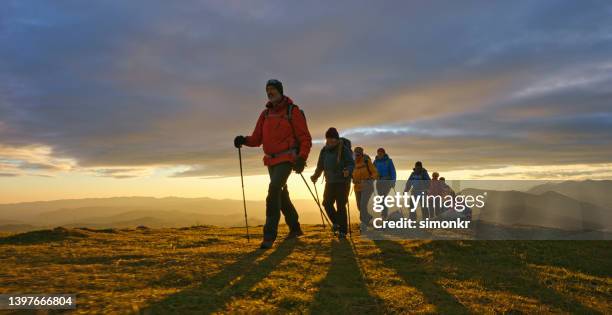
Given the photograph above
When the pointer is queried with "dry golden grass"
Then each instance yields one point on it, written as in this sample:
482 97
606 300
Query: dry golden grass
214 270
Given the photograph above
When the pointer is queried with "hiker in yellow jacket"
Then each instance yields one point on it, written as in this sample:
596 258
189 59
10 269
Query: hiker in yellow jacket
364 175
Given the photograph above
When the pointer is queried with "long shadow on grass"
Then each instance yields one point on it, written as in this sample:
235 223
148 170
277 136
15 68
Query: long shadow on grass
42 236
498 267
344 290
232 282
414 272
569 255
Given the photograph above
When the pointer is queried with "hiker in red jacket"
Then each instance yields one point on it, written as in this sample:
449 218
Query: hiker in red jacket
282 130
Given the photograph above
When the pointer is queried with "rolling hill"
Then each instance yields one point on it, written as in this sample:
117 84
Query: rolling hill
133 211
572 205
205 270
598 192
548 210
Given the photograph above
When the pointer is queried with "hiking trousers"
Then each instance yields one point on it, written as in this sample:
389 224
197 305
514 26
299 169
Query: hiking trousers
362 198
425 211
336 193
278 201
383 187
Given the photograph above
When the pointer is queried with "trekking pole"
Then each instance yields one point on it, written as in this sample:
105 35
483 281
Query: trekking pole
246 221
315 198
319 202
348 209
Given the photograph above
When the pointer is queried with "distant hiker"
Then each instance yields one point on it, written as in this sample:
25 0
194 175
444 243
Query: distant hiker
436 188
435 185
337 164
447 189
364 175
283 132
386 175
419 183
454 213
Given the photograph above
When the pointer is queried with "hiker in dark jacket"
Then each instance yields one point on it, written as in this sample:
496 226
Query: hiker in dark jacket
337 164
386 175
419 183
282 130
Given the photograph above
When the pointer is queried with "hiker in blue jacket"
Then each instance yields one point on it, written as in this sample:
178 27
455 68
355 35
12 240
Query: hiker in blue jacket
419 183
386 172
337 164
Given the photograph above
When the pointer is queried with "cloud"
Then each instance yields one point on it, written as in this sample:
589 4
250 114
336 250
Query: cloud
38 166
585 77
196 171
119 173
594 171
36 158
150 85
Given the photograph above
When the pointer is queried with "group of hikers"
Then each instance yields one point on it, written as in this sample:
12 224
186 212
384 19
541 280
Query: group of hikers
283 132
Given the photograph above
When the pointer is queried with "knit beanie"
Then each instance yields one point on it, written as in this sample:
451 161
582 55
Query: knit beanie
332 133
275 84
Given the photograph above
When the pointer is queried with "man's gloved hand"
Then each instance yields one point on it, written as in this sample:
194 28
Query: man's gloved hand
345 172
299 165
239 141
314 178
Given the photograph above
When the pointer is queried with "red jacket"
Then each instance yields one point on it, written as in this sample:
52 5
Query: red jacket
275 132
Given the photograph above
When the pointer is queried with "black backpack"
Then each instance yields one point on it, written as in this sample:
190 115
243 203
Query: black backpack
344 142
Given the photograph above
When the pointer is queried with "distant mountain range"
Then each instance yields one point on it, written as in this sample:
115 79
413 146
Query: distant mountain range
597 192
571 205
133 211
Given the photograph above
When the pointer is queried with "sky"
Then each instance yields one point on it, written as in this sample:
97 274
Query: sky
121 98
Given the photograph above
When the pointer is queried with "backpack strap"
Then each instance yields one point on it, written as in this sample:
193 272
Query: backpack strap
388 168
365 161
290 112
290 119
340 149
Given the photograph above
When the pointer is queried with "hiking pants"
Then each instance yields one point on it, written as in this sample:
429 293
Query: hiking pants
435 210
362 198
424 210
278 201
383 187
336 193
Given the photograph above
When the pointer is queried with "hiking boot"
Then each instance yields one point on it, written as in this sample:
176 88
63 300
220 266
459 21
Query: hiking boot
295 233
335 228
266 244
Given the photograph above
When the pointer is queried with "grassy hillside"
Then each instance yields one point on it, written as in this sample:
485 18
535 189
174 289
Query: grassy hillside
208 269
